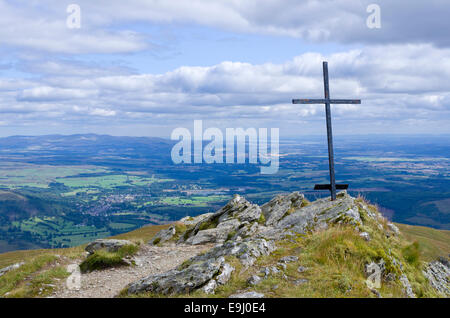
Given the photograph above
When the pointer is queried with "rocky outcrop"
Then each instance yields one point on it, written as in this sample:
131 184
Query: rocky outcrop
246 232
238 214
109 245
179 280
407 289
280 206
164 235
189 220
438 275
7 269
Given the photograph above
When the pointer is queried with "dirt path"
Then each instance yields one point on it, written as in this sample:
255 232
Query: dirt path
149 260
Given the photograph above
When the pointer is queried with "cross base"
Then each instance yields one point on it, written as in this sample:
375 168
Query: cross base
328 187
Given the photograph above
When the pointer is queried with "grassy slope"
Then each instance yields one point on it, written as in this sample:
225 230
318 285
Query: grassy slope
433 242
42 267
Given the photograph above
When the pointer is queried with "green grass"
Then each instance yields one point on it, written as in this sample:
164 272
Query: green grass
102 259
39 176
108 181
197 201
432 242
33 279
62 231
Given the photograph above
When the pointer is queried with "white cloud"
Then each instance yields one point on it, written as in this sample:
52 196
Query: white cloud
391 90
109 26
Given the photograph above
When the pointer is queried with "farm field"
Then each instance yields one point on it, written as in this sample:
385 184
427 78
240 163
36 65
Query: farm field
85 187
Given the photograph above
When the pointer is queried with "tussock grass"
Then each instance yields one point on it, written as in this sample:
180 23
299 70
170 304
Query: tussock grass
432 242
102 259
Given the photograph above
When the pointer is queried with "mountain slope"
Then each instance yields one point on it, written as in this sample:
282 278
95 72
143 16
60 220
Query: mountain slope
288 247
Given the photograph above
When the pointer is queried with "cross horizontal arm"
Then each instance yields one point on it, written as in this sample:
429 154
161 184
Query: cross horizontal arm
325 101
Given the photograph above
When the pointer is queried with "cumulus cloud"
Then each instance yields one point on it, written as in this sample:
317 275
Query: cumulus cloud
402 21
400 71
395 83
42 27
109 26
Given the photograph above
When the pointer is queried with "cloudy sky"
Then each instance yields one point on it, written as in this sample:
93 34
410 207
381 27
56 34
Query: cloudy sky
145 67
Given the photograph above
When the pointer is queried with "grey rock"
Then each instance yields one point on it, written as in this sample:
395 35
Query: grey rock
393 228
282 266
225 274
217 226
265 271
275 209
109 245
163 235
189 220
322 213
210 287
247 230
365 236
5 270
209 236
274 270
438 275
179 281
288 259
254 280
247 251
372 214
247 295
407 286
300 281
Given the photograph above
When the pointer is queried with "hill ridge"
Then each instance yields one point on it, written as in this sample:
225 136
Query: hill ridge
287 247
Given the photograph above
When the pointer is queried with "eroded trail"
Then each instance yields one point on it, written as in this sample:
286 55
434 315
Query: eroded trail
149 260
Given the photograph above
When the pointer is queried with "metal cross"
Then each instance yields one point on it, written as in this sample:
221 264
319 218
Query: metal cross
327 101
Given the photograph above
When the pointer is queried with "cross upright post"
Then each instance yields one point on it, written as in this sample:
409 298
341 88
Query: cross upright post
327 101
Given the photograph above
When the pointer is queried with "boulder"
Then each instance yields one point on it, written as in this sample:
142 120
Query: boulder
280 206
288 259
179 281
109 245
210 287
225 274
189 220
254 280
163 235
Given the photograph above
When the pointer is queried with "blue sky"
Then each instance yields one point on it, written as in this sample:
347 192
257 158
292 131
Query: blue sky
146 67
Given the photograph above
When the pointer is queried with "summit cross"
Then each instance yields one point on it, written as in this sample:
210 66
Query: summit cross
327 101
